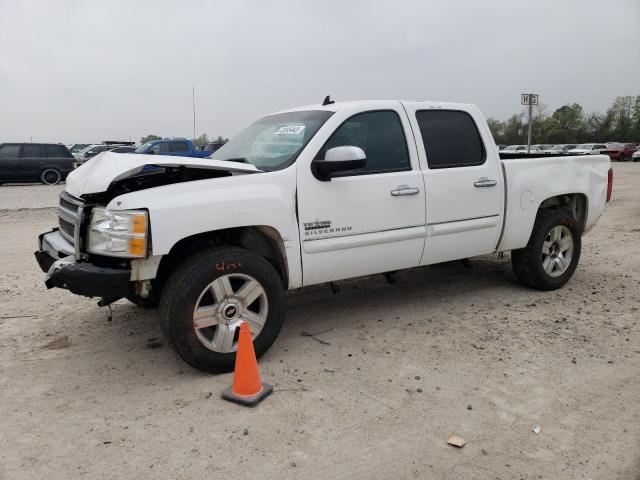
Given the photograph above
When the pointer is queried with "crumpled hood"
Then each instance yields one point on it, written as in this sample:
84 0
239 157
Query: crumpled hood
95 175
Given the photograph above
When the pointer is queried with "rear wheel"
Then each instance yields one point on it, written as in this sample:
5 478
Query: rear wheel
207 298
552 254
50 176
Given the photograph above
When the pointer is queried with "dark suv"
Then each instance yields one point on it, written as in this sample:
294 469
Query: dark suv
28 162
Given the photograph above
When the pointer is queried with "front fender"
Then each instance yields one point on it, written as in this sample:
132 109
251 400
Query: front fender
182 210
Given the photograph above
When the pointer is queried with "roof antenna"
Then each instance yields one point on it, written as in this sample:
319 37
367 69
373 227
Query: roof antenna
327 100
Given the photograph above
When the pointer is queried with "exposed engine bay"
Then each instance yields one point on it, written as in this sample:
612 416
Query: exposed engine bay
154 176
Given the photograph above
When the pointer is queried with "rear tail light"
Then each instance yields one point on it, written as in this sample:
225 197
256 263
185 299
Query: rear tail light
609 184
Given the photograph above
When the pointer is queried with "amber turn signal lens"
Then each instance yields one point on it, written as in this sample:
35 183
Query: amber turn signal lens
137 246
140 224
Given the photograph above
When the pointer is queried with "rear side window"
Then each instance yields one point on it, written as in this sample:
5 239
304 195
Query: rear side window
380 135
451 139
179 147
55 151
29 150
9 151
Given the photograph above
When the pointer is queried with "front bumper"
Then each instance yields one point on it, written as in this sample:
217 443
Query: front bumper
55 257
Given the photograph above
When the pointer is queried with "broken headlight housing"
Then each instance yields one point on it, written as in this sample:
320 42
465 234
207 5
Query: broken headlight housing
118 233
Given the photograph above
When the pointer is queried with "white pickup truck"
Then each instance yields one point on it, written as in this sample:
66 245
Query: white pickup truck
310 195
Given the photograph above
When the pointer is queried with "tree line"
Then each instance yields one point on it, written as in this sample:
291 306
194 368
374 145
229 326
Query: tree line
571 124
201 141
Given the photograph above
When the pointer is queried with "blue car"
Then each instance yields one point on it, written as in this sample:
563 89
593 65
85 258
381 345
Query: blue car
178 148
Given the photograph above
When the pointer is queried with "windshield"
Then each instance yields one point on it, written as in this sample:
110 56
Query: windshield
275 141
143 148
585 146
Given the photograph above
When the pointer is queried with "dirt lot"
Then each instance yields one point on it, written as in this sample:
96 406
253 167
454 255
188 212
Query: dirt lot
446 349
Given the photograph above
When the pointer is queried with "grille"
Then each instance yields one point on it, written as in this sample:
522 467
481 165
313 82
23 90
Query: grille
70 218
66 228
66 204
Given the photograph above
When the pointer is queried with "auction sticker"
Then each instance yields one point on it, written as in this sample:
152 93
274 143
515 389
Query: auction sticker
290 130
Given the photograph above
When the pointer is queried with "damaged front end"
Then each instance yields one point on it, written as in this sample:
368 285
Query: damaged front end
96 252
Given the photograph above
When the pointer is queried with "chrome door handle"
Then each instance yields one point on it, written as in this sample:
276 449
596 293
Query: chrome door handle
403 190
485 182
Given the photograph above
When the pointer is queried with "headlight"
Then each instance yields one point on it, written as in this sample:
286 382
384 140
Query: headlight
118 233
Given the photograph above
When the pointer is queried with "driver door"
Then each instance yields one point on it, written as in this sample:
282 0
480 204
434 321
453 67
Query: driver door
370 220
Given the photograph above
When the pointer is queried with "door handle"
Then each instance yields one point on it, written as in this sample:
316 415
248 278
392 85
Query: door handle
403 190
485 182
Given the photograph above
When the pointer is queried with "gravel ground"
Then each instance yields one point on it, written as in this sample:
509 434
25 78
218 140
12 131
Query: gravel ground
445 350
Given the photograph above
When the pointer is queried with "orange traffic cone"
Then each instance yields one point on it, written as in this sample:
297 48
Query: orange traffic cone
246 388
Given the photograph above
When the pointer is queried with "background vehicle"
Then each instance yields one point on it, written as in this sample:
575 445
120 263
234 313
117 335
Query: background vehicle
515 149
211 146
560 148
76 147
636 156
588 149
311 195
538 148
620 151
124 149
180 148
93 150
32 162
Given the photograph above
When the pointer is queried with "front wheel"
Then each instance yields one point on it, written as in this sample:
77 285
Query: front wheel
207 298
552 254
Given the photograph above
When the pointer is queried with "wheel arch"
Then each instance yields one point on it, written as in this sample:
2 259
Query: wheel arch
262 240
575 203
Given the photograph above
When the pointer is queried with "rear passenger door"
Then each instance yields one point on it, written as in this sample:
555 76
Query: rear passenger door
9 161
463 182
31 161
58 157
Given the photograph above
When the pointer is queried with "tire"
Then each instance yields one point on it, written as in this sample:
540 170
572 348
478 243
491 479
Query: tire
50 176
197 282
529 262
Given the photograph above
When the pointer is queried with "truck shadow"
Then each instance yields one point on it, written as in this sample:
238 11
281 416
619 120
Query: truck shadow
317 307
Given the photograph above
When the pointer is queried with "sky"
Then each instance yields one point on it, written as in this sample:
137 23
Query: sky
87 71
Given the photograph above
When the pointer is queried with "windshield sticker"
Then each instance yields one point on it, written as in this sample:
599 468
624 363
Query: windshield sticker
290 130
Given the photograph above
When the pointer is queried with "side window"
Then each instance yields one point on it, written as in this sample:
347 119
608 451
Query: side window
9 151
450 139
29 150
380 135
54 151
179 147
160 148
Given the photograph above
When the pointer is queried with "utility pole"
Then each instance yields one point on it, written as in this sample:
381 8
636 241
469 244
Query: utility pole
193 99
529 99
530 125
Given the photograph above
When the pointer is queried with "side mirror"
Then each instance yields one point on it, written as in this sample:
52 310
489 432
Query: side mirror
338 159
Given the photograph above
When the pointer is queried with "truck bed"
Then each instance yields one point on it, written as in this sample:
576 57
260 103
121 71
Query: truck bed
532 178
